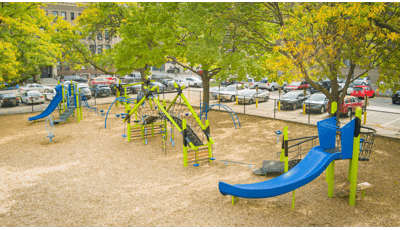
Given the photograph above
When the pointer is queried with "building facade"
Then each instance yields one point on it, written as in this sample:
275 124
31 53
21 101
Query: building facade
98 43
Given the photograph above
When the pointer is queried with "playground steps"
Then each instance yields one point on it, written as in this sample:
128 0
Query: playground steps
67 113
189 133
201 154
360 187
274 167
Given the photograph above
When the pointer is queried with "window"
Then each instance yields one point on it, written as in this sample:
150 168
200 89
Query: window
47 13
100 49
58 65
99 35
346 62
108 47
106 35
91 48
72 16
64 15
66 67
55 13
79 14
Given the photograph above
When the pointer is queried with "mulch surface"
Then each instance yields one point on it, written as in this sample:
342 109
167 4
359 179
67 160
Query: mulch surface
91 176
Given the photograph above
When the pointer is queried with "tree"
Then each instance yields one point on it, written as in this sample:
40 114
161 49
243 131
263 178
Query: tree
310 40
207 40
26 40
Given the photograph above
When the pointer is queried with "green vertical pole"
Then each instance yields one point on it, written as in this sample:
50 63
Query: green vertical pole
126 104
208 143
152 129
77 102
330 170
294 191
185 163
354 163
63 97
285 137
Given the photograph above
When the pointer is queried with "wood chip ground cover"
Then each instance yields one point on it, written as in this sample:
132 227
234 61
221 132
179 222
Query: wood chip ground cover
90 176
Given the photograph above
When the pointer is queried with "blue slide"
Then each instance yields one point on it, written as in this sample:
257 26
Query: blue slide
52 106
313 164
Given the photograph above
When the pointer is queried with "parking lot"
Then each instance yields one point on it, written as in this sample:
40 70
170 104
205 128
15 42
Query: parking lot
381 113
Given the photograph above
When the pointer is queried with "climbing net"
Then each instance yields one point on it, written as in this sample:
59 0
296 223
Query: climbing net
179 111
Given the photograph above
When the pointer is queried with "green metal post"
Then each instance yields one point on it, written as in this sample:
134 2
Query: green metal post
286 153
77 101
285 137
208 143
294 191
354 165
166 123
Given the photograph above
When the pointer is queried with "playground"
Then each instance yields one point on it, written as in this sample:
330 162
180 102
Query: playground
91 176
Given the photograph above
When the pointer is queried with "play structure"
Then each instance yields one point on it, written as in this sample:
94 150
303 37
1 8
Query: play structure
87 106
318 159
204 109
302 147
67 100
151 116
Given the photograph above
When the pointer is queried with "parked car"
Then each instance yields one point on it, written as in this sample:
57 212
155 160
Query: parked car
161 87
293 99
362 90
193 81
324 83
160 76
250 83
135 88
74 78
130 80
181 82
99 90
316 102
250 96
104 80
85 90
362 81
230 81
349 88
114 87
396 97
32 87
229 93
32 97
49 94
173 70
169 84
265 84
348 105
8 99
297 85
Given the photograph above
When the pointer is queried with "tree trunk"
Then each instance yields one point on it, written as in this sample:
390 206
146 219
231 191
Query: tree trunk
142 76
206 90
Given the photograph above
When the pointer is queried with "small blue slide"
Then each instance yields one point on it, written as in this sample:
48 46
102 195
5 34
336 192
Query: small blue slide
313 164
52 106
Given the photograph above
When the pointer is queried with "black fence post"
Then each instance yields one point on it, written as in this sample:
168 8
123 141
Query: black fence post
244 105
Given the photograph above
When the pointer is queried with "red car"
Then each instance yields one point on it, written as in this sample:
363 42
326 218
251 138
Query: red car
362 90
296 86
348 105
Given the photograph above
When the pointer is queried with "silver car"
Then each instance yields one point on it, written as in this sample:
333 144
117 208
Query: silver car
32 87
228 93
85 90
316 102
250 96
265 84
49 94
362 81
32 97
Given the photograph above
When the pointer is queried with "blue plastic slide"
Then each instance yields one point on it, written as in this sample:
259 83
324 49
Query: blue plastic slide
313 164
52 106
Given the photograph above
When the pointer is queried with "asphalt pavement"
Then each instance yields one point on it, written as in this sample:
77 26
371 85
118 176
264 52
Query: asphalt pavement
382 115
